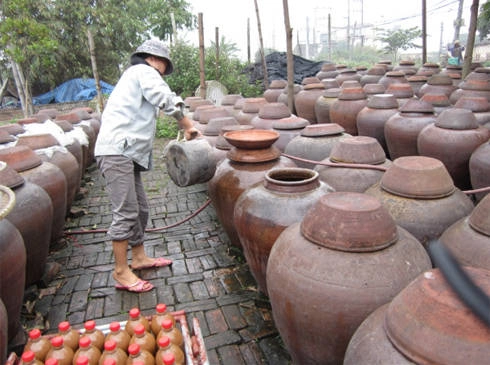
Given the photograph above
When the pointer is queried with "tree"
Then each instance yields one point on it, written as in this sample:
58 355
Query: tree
399 39
483 25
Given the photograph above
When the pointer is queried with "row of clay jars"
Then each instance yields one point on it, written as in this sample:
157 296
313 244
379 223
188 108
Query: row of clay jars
340 263
422 325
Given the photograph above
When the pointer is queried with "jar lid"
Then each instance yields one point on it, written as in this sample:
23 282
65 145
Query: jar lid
383 101
358 149
429 324
9 177
38 141
230 99
20 158
333 92
374 89
377 71
221 142
6 137
64 125
457 119
313 86
419 177
7 201
436 99
13 128
479 218
349 221
476 104
278 84
250 139
292 122
417 106
253 155
322 129
214 125
274 110
352 93
253 105
400 90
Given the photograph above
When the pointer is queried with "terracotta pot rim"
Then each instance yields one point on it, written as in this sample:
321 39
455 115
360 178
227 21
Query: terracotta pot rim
253 156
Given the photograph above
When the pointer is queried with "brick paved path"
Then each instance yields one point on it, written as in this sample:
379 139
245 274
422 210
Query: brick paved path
208 279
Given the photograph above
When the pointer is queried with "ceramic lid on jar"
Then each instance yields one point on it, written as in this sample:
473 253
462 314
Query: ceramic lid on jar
400 90
9 177
436 99
251 138
274 110
221 142
215 125
417 106
253 155
456 118
322 129
278 84
383 101
358 149
348 221
292 122
6 137
476 104
374 89
38 141
20 158
333 92
418 177
479 218
352 93
13 128
429 324
253 105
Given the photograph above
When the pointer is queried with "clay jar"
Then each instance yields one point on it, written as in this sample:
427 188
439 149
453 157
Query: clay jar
421 196
438 84
361 150
45 174
314 143
373 75
478 85
392 77
372 118
305 101
213 128
12 277
468 239
422 325
347 74
407 67
479 166
401 91
340 267
263 211
416 82
229 100
403 128
288 128
479 106
324 103
452 139
345 109
250 109
247 162
275 89
3 332
283 97
32 215
268 114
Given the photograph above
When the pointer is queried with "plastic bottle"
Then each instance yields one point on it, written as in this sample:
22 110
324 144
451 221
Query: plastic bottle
168 359
168 329
121 337
70 335
29 358
59 351
136 354
160 315
135 317
95 335
37 344
86 348
81 360
51 361
144 339
111 351
165 346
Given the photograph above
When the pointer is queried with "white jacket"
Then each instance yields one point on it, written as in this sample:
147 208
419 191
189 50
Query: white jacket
128 121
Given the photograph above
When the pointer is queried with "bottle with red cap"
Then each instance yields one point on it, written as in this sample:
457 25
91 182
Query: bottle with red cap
109 361
175 335
51 361
29 358
59 351
96 336
165 346
38 344
135 317
169 359
160 315
145 339
136 354
81 360
111 351
70 335
121 337
86 348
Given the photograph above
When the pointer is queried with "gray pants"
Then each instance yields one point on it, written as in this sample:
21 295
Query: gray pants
124 187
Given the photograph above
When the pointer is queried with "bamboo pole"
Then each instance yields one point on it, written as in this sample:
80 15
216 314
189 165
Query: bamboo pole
262 54
91 47
202 88
471 39
290 59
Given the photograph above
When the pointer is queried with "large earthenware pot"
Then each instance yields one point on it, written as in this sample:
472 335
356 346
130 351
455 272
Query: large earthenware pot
283 97
32 216
452 139
472 86
247 162
403 128
270 113
3 332
213 128
345 109
315 143
228 102
439 102
401 91
327 71
288 128
326 274
360 150
468 239
250 109
347 74
393 77
373 75
324 103
46 175
416 82
12 269
438 84
428 69
421 196
423 325
275 89
264 210
480 169
407 67
72 144
305 100
372 118
479 106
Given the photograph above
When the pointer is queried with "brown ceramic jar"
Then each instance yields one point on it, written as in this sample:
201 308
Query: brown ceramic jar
305 100
250 109
268 114
337 269
324 103
344 110
275 89
480 169
288 128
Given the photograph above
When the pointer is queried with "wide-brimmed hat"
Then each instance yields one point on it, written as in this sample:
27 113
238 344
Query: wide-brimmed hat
156 48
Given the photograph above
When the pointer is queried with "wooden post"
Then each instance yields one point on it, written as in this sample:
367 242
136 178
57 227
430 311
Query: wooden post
91 47
216 35
424 31
290 59
248 41
174 28
471 39
262 54
202 88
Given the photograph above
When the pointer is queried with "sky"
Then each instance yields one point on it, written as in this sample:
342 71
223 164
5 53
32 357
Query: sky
309 19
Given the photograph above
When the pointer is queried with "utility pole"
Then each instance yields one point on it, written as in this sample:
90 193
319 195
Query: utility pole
348 27
329 38
458 22
441 44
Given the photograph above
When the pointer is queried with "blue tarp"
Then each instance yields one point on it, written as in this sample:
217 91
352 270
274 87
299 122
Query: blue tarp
73 90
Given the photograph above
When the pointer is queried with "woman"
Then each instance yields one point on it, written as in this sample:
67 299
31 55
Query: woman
123 149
